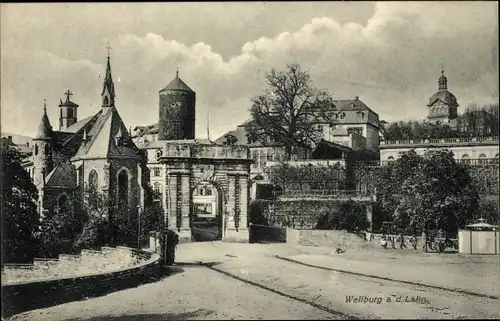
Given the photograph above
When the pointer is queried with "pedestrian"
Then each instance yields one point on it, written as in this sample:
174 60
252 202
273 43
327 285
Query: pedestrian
383 242
402 239
414 241
393 243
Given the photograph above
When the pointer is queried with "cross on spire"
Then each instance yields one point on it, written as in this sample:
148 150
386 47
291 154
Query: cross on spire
177 72
45 105
442 69
68 93
108 47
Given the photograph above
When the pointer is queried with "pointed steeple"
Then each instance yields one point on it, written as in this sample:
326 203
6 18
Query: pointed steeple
442 82
44 129
108 90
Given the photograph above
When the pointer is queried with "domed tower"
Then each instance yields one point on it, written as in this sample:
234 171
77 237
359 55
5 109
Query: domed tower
443 104
42 149
177 111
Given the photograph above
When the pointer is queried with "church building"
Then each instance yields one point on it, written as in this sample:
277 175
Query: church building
93 153
443 104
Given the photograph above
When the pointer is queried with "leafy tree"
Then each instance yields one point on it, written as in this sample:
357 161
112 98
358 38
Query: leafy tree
152 218
288 111
429 192
20 218
95 214
59 231
229 140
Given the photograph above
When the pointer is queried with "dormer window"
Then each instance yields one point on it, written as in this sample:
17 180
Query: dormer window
159 153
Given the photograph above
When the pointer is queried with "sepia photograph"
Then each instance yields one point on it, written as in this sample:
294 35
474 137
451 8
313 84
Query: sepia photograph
261 160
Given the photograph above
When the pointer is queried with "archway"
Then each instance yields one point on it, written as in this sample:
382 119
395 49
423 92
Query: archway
206 214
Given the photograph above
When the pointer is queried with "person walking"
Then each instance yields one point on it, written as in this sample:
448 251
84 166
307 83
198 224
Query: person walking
402 240
413 241
383 242
393 243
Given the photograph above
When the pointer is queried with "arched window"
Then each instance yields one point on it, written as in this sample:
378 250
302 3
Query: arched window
93 180
465 159
482 159
70 112
123 194
106 100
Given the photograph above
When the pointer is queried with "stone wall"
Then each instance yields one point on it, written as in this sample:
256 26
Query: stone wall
60 288
325 238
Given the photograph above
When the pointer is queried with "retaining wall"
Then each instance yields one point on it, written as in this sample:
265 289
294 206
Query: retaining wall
136 268
267 234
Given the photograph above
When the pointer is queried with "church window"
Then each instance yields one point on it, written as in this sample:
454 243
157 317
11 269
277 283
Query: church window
60 113
70 113
123 193
36 149
93 180
106 100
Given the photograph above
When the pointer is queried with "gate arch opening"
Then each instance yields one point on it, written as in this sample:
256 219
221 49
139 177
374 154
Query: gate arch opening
206 213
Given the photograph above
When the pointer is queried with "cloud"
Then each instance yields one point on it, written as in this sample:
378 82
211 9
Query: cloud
392 62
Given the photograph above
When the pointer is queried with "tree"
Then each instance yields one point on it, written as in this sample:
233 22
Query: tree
432 191
20 218
288 111
229 140
59 231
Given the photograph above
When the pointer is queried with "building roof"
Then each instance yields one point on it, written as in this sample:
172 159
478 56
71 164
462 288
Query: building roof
63 175
350 104
177 84
44 128
78 125
445 96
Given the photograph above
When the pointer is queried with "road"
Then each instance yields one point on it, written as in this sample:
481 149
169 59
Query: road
261 286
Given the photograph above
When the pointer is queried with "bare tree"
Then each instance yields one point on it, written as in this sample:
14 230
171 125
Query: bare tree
290 111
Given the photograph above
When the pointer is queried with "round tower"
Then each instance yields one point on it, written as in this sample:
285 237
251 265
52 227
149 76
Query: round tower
177 111
42 149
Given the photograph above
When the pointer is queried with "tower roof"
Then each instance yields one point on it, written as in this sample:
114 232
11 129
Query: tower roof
177 84
68 103
44 129
108 85
443 94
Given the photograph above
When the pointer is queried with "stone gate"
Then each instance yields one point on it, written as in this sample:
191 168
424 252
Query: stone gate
186 164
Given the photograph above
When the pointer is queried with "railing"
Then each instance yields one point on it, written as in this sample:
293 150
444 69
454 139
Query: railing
312 162
440 140
469 161
324 193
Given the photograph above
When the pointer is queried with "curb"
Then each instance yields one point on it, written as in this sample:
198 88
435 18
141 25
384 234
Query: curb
311 303
454 290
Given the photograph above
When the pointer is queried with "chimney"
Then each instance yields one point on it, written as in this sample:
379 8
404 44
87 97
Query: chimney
356 98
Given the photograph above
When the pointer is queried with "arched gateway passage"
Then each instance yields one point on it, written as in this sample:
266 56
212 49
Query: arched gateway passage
206 213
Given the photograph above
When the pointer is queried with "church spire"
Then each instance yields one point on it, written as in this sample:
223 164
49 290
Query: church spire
442 82
108 90
44 131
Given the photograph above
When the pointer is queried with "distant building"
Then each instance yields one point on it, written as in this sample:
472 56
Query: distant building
443 105
23 149
468 150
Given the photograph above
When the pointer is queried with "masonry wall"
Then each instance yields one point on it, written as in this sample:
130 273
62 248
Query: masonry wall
125 268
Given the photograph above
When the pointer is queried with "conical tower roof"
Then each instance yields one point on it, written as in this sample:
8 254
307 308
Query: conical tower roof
44 129
177 84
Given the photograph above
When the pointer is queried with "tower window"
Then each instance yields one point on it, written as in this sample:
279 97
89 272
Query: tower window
47 150
106 100
70 113
36 149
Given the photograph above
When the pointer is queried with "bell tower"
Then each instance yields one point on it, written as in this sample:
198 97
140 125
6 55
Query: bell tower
67 112
42 150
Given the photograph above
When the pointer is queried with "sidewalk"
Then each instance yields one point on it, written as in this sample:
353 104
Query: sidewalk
454 272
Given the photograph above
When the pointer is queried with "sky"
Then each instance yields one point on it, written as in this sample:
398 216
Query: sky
389 54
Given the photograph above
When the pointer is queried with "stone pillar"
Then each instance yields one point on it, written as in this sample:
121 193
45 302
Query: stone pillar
185 229
369 215
165 195
171 212
237 230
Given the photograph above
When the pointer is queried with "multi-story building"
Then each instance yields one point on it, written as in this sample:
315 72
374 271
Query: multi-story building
474 149
442 104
